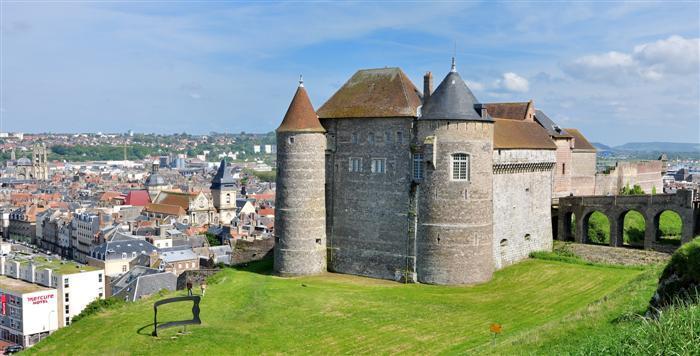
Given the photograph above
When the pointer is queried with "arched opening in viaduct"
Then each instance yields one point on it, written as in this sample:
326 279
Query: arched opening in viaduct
632 227
669 227
569 226
596 228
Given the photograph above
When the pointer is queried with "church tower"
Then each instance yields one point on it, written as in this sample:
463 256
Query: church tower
223 192
40 169
455 199
155 183
300 207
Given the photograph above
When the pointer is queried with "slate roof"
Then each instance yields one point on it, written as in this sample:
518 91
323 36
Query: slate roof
300 116
552 128
223 177
452 100
178 255
154 180
515 134
580 141
143 281
112 250
510 111
372 93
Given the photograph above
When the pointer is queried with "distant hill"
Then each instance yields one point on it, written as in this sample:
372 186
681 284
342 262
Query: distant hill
667 147
601 147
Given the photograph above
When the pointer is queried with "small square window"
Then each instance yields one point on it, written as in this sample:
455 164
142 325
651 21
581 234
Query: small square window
355 164
378 165
291 140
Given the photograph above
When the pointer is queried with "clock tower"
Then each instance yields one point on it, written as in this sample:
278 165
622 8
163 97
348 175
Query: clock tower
223 192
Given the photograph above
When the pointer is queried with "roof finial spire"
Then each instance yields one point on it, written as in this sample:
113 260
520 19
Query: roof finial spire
454 55
301 81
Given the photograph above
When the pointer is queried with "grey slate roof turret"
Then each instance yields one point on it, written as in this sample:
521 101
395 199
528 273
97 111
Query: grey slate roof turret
452 100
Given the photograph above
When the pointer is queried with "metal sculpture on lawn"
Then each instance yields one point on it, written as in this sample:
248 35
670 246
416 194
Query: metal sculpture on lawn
195 313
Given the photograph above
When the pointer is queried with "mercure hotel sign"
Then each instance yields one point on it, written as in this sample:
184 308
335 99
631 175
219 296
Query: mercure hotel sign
40 299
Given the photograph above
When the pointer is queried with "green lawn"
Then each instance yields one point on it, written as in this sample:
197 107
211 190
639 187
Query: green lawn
250 313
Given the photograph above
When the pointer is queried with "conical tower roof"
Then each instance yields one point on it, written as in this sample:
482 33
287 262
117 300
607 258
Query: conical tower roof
300 116
222 177
452 100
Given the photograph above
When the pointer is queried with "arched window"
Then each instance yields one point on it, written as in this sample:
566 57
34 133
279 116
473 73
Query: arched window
460 166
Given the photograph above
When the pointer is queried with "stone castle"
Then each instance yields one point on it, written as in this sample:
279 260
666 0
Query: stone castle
388 182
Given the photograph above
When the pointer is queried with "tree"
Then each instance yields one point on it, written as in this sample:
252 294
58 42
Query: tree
635 190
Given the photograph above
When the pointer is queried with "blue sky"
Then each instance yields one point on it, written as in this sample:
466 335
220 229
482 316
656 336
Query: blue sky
620 72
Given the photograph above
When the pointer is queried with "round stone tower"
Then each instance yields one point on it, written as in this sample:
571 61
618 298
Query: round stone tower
300 203
455 198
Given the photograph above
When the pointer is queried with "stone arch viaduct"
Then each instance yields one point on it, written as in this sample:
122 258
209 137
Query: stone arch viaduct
615 208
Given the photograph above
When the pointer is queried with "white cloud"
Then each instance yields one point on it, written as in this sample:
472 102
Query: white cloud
513 82
675 54
649 61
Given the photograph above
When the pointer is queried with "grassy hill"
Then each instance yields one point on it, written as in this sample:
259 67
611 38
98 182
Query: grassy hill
250 312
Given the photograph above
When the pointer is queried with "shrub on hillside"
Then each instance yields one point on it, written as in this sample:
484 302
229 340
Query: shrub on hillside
680 280
98 306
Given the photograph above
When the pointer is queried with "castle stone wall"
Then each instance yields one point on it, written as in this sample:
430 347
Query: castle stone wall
368 221
645 174
455 230
521 204
300 209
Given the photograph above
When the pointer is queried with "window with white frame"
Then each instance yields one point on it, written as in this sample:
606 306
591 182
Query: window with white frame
417 166
378 165
460 166
370 138
355 164
387 137
353 138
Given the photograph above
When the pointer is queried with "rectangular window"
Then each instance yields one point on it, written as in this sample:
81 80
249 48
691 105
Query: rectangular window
387 137
353 138
65 283
66 298
399 137
355 164
460 166
67 309
99 278
378 165
67 320
563 168
418 166
124 268
370 138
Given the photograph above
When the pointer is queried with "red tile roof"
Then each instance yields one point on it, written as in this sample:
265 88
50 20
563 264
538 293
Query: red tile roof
137 198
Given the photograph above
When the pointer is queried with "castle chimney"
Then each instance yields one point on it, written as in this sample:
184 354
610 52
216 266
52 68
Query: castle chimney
427 86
